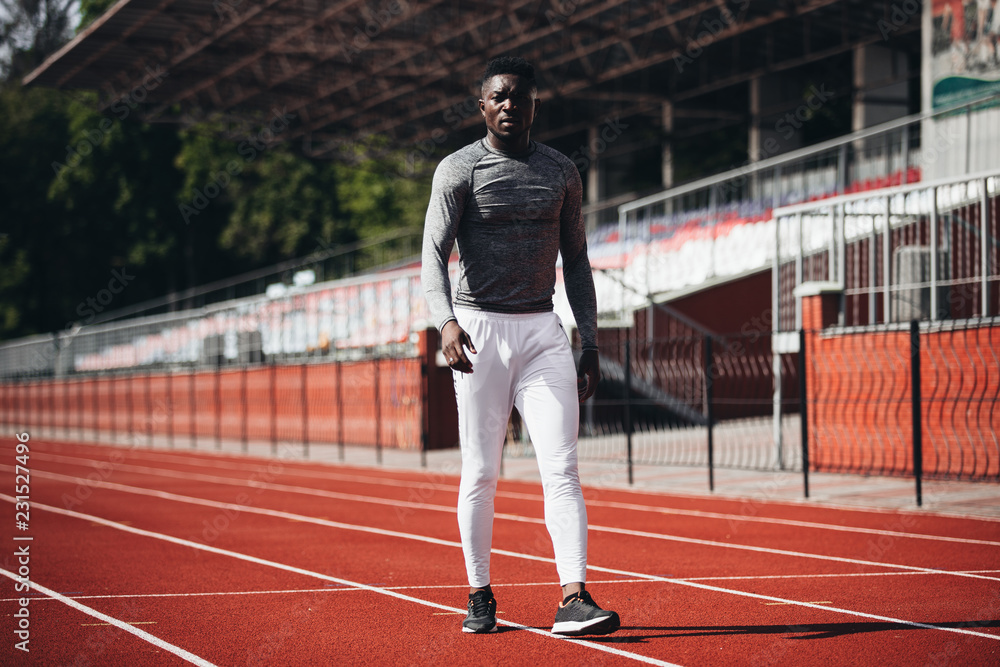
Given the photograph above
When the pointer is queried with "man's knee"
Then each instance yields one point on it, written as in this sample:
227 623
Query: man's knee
479 479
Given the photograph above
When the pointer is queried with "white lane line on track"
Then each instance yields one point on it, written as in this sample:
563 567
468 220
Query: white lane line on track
73 460
208 459
122 625
451 510
341 589
309 573
463 586
785 552
211 459
514 554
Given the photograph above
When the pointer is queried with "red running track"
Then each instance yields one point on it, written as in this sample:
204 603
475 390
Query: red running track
152 557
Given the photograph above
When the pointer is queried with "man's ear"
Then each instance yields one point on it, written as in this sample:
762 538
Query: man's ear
538 105
482 108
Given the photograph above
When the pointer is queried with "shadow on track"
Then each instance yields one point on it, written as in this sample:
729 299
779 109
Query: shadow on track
808 631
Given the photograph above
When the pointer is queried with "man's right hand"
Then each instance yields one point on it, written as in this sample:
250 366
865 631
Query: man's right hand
454 340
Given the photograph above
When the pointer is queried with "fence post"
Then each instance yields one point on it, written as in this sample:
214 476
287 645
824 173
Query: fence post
305 411
918 445
984 247
628 408
51 408
274 408
170 407
428 351
804 411
244 408
378 413
112 407
79 407
25 411
709 367
130 402
50 383
40 405
218 407
149 408
424 393
193 405
340 409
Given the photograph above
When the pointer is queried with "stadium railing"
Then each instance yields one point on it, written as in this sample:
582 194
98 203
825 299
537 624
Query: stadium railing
720 222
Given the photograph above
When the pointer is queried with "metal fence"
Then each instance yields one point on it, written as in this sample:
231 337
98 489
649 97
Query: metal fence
919 401
698 400
928 251
918 398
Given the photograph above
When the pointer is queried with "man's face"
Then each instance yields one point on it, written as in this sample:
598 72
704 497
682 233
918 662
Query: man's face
509 107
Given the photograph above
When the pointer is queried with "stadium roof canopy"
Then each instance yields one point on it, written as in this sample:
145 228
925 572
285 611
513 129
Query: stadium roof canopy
408 69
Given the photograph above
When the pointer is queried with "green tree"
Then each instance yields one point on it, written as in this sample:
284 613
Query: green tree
381 192
82 194
88 194
90 10
30 31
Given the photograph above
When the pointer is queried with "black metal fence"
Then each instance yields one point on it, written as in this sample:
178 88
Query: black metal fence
700 401
917 400
920 400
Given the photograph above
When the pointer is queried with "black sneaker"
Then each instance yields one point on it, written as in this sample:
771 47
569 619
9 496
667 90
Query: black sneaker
482 613
582 616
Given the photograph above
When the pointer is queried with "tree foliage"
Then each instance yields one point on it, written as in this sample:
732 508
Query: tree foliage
30 31
87 195
90 10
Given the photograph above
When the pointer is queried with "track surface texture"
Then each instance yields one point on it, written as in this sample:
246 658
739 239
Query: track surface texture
133 556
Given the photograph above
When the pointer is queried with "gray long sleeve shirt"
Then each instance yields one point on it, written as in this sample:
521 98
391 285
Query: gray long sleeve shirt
512 215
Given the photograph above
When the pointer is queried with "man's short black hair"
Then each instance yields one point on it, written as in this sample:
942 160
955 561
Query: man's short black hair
510 65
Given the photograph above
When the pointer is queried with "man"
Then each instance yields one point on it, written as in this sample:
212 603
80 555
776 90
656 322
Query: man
513 205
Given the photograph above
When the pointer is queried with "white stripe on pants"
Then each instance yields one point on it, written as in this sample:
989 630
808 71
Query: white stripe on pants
522 360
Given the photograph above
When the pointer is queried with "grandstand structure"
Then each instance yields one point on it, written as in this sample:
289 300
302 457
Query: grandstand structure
765 310
632 89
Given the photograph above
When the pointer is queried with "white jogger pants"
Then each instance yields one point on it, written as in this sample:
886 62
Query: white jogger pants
522 360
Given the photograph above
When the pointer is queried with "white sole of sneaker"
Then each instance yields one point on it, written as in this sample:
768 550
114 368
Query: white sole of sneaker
596 626
480 632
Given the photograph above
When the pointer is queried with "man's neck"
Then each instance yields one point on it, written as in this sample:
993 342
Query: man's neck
520 146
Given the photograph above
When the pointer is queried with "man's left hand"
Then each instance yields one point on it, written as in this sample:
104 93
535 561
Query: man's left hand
588 374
